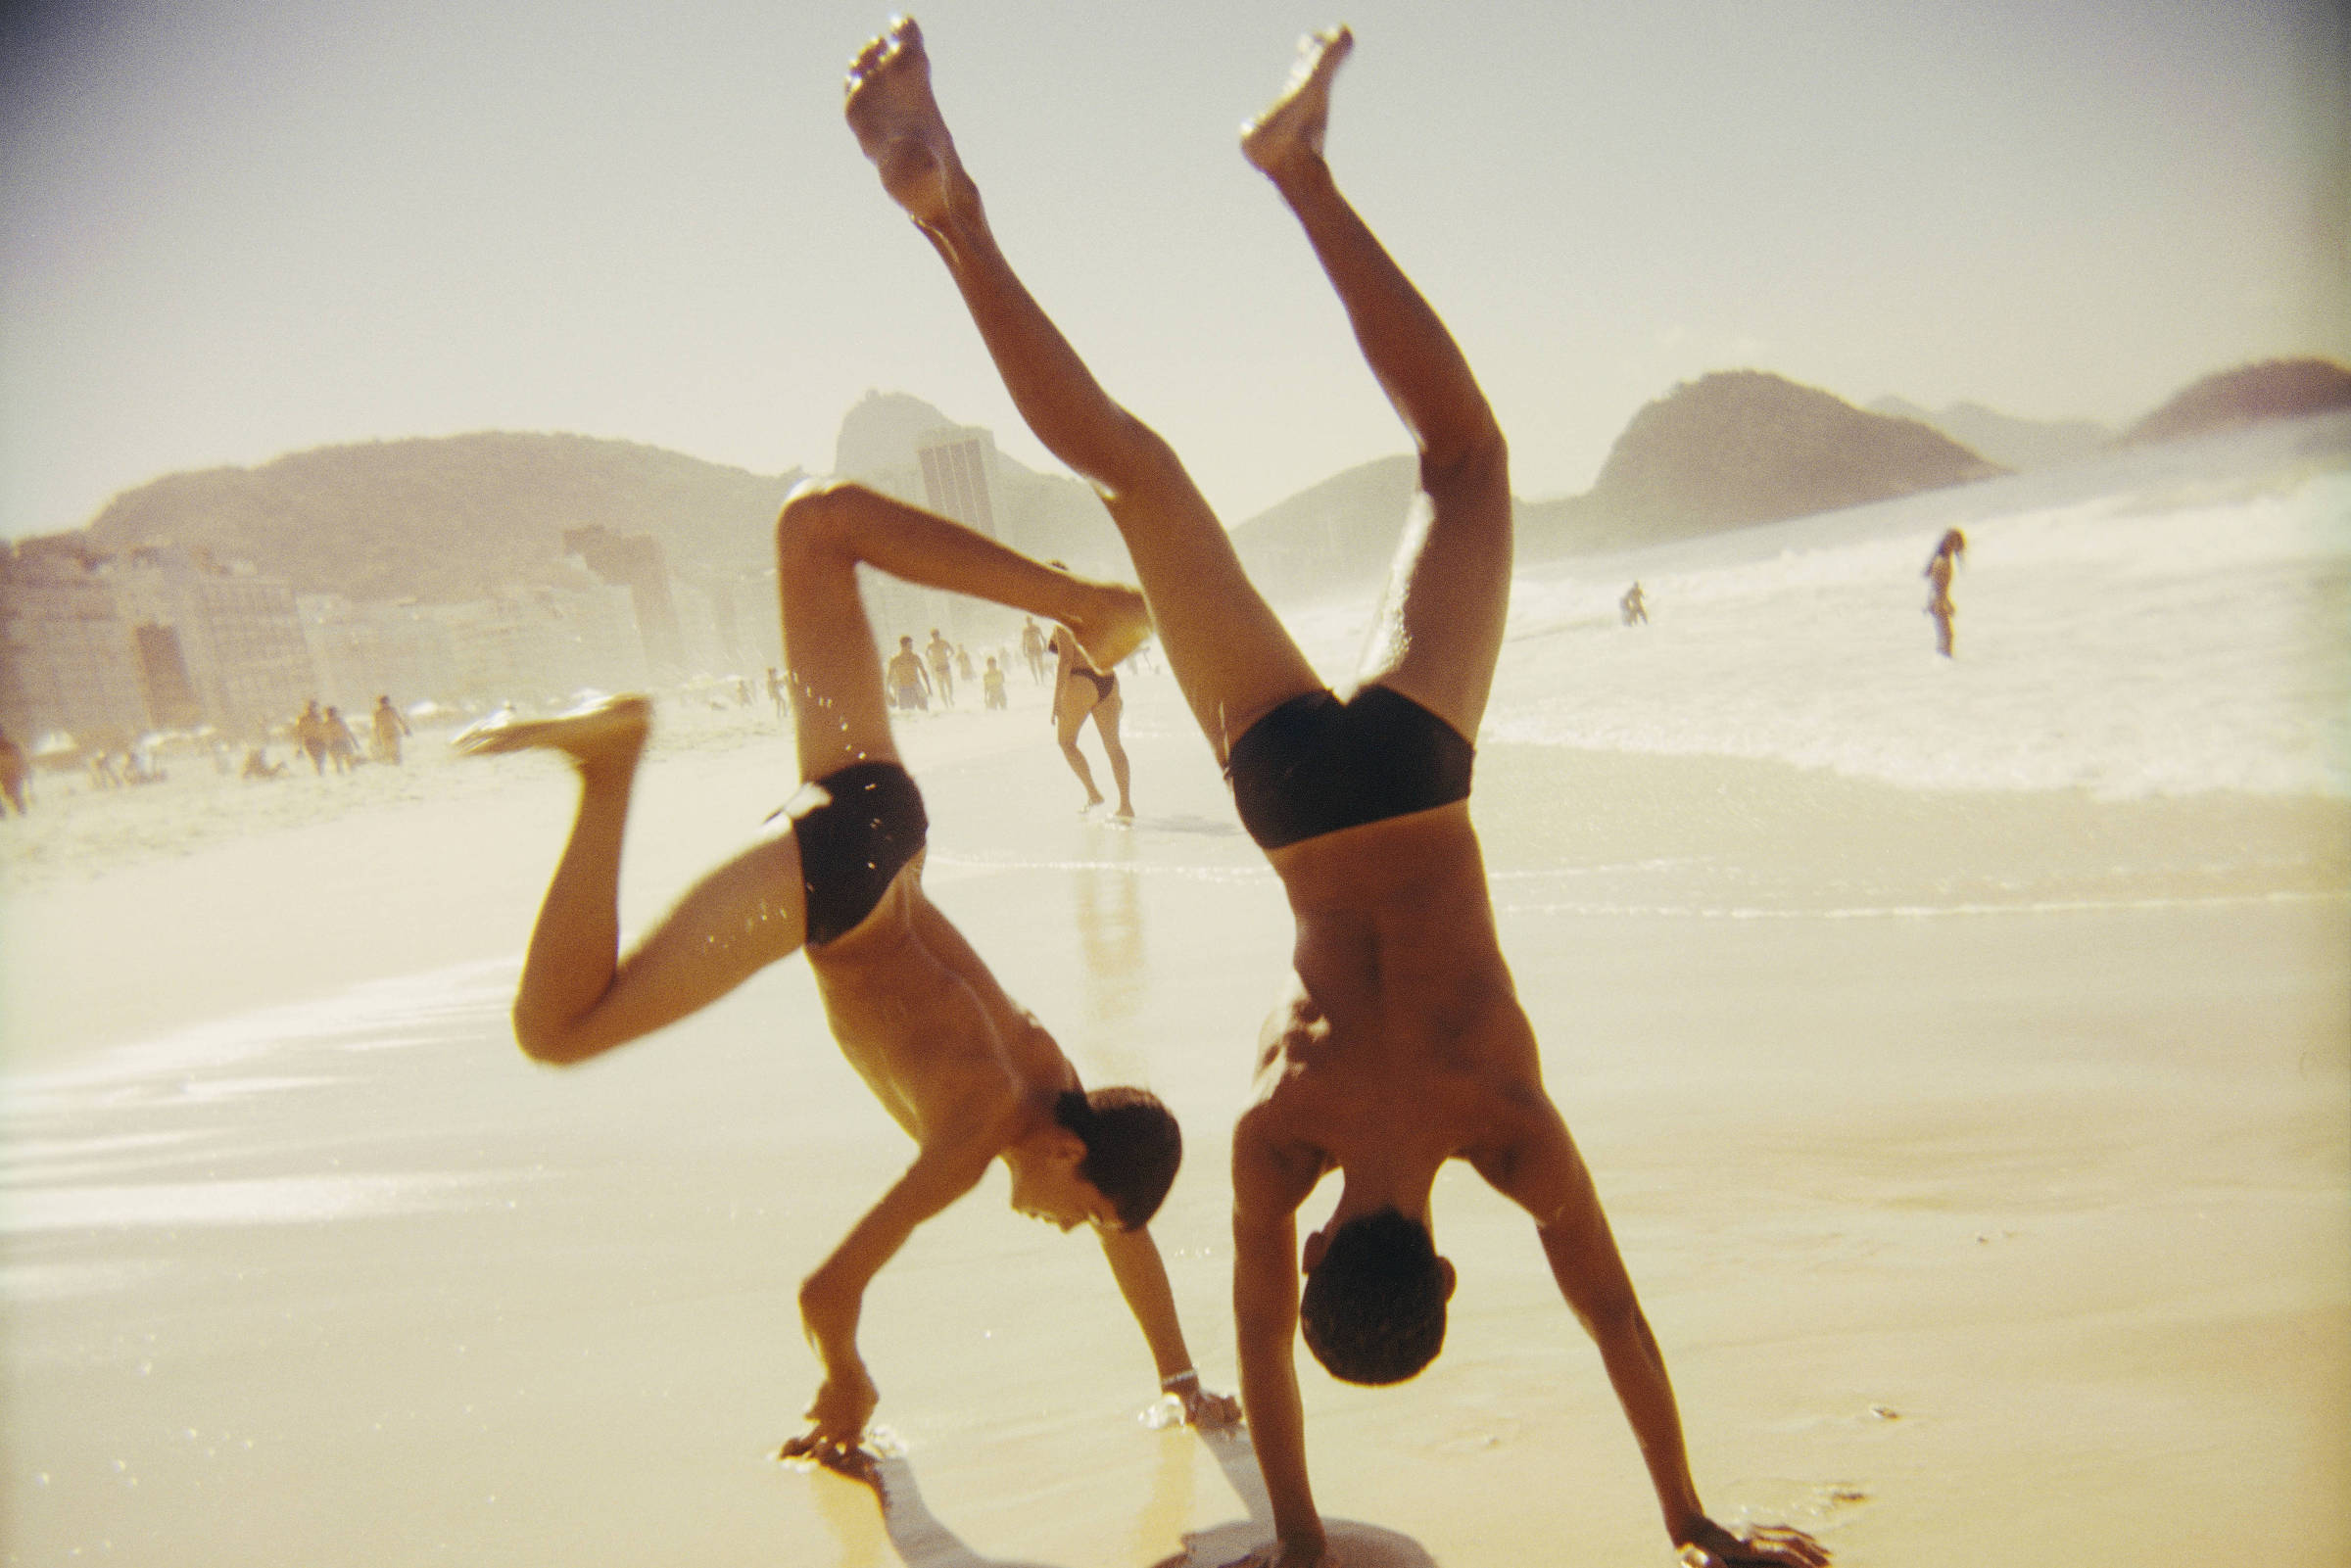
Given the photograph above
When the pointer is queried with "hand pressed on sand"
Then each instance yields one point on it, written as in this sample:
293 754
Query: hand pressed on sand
844 1401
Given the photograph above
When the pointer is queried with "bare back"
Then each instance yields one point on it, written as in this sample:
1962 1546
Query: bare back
1399 1024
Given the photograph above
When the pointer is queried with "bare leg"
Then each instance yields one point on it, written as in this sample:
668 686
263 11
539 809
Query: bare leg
577 998
1439 629
1122 773
837 678
1068 721
1229 652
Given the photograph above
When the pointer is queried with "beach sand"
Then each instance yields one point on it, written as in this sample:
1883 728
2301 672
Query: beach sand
1982 1160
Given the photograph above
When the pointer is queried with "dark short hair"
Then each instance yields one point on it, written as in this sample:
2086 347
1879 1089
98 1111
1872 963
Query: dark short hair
1133 1147
1373 1310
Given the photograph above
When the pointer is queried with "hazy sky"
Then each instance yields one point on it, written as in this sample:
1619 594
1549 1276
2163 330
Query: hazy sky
234 229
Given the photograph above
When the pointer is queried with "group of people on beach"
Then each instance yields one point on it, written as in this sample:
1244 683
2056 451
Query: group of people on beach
1397 1043
1080 691
916 678
325 736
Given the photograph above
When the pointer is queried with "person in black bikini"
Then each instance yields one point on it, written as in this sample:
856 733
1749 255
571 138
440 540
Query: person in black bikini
1082 692
970 1076
1399 1043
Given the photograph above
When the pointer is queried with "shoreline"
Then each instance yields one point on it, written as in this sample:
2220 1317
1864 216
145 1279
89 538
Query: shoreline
1982 1162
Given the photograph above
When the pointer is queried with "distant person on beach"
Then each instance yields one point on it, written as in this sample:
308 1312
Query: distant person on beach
390 724
1634 607
963 664
909 682
775 691
1398 1044
1032 649
1080 692
1950 551
342 747
259 766
991 685
15 769
970 1074
309 733
942 654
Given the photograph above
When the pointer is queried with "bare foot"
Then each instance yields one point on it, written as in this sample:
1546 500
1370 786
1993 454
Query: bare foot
611 730
899 126
1292 128
1115 628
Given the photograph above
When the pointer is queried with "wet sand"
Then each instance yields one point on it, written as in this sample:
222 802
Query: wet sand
1984 1162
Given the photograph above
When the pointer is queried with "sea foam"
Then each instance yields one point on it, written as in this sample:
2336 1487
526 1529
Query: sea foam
2158 623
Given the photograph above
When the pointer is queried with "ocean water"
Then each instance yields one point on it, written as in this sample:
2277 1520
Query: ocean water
349 1258
2161 623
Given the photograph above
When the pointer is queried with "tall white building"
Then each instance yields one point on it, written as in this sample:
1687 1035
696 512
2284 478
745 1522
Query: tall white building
959 477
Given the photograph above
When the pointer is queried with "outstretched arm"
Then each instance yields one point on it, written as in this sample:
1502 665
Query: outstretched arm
833 1298
1267 1186
1545 1174
1135 1263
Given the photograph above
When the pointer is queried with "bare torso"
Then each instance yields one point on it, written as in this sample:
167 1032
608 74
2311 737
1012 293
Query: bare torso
943 1048
1399 1033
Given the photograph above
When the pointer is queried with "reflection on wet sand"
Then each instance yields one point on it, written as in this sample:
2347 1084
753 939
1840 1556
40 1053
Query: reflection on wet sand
921 1541
1109 921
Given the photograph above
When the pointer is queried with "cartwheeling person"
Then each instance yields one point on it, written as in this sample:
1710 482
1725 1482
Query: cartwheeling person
1399 1043
970 1074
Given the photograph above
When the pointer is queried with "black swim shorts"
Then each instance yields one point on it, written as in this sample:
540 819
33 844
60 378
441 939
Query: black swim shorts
855 827
1314 765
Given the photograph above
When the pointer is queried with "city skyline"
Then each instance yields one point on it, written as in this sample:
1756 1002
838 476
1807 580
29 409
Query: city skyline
236 232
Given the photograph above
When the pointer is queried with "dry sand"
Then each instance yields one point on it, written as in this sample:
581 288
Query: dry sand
1984 1162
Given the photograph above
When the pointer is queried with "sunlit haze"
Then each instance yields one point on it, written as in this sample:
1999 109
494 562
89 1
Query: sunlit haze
236 230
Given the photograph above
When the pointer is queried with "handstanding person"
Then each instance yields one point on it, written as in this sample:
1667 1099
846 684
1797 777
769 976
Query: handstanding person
1081 693
1399 1043
970 1074
1950 551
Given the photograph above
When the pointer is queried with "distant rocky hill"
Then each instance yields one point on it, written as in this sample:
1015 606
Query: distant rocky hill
2005 439
458 517
2275 389
1731 448
1742 447
879 431
455 517
1336 535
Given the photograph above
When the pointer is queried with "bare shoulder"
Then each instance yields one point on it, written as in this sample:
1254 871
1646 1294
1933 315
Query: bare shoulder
1273 1166
1525 1152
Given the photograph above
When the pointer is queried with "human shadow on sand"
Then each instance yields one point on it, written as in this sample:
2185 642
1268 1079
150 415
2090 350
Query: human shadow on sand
922 1541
